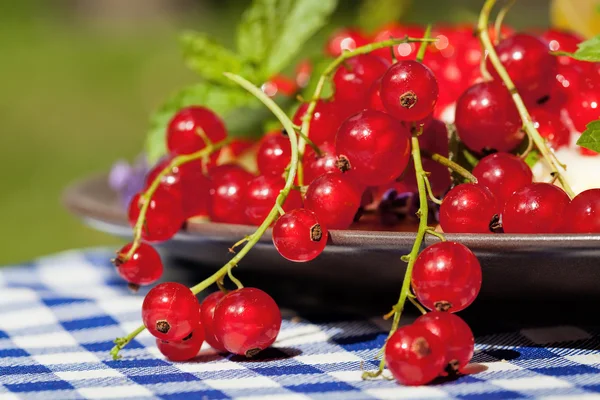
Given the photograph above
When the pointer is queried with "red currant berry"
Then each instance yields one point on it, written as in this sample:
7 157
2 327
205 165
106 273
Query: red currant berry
261 194
558 40
315 165
227 193
374 146
354 78
345 40
274 154
185 349
164 216
550 126
298 236
279 84
518 53
374 97
468 208
142 268
323 124
187 128
402 51
487 119
584 106
414 355
409 90
446 277
334 199
455 334
207 312
535 208
503 174
303 72
170 311
582 215
247 321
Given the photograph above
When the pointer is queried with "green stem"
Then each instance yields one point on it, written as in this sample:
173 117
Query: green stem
500 18
423 46
430 192
539 142
440 159
273 214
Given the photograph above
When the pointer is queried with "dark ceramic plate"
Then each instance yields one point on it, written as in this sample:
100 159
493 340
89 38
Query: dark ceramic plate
514 266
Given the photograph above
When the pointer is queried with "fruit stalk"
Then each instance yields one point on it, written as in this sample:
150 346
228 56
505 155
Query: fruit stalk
273 214
528 126
446 162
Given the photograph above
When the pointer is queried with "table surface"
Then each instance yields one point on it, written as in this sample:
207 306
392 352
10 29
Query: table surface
60 314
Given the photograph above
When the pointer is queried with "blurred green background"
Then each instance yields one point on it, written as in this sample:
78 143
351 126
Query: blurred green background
79 78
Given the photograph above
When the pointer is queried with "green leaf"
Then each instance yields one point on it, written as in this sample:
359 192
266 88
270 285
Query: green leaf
588 50
590 138
209 59
226 101
272 32
376 13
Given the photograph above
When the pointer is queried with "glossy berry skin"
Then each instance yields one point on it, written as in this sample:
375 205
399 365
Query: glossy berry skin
374 97
345 40
455 335
535 208
518 53
164 216
402 51
298 236
569 79
324 123
274 154
414 355
182 132
550 126
207 312
503 174
227 192
182 350
334 199
142 268
559 40
376 146
315 165
354 78
261 193
446 277
468 208
247 321
584 106
409 90
582 215
170 311
487 119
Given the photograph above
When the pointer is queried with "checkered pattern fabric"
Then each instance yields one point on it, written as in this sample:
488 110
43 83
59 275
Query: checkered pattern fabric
59 315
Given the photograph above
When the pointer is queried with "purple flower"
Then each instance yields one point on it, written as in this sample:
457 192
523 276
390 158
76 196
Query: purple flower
128 179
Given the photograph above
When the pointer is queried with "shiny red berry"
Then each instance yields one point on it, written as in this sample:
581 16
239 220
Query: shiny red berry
414 355
487 119
455 335
298 236
315 165
346 39
559 40
402 51
551 127
374 97
142 268
409 90
207 311
274 154
535 208
324 123
446 277
164 215
584 106
260 196
227 192
170 311
582 215
468 208
518 53
185 349
503 174
334 199
247 321
185 131
354 78
374 147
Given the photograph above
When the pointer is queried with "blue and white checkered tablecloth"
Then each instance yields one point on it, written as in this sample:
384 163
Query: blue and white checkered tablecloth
60 314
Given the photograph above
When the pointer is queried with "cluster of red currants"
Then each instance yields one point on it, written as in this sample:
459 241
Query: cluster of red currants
244 321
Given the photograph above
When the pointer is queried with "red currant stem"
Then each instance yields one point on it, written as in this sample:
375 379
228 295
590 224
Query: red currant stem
416 304
273 214
439 235
238 243
147 195
430 192
500 18
280 209
233 279
539 141
423 45
528 149
327 74
445 161
312 144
